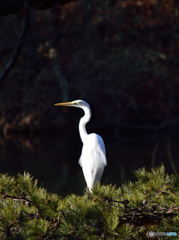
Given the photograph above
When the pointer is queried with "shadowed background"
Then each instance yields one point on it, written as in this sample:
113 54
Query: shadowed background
120 56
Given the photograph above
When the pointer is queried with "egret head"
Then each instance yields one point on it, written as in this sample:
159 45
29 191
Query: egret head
76 103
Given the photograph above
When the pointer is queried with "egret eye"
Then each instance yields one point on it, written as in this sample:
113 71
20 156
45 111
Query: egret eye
79 104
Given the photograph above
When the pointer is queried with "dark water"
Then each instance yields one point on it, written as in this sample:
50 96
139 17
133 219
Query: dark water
53 160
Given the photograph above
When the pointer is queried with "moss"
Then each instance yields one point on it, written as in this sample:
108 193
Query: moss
151 203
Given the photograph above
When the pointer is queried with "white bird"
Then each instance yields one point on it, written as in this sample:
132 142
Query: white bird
93 155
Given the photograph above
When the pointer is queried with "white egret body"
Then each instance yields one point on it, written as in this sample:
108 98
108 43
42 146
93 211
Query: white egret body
93 155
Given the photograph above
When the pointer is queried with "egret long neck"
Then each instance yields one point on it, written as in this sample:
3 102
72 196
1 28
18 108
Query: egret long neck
83 121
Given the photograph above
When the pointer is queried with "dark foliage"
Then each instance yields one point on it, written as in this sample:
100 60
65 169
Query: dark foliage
119 54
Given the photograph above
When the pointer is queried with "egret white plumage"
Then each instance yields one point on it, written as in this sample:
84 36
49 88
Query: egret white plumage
93 155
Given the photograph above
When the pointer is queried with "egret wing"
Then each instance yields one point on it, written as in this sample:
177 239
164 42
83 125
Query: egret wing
94 150
93 159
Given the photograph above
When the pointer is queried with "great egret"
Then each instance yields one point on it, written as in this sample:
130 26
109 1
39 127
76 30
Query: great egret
93 155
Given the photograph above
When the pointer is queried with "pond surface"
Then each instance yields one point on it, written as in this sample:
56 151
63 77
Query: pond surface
53 160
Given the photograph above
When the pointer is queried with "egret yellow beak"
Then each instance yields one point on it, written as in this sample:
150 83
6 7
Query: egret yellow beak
65 104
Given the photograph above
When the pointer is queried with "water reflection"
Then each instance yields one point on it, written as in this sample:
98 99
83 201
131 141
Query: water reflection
53 160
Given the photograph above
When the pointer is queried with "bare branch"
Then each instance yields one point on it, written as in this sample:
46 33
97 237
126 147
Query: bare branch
169 153
14 7
154 153
21 199
18 47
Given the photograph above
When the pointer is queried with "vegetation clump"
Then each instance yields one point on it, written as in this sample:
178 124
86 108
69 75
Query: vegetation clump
131 211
